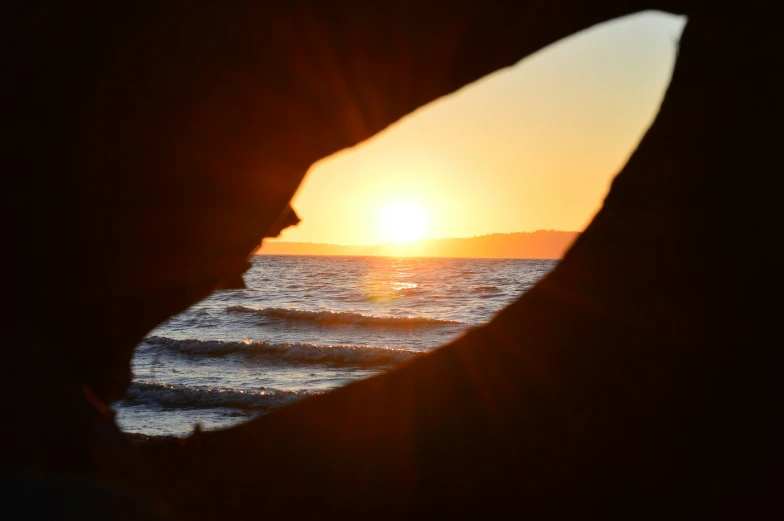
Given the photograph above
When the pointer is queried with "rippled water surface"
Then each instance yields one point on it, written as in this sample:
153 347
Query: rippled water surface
305 325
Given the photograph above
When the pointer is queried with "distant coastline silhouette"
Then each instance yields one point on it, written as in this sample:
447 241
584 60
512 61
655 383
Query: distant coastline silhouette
541 244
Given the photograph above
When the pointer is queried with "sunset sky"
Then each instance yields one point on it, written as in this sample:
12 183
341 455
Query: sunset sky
531 147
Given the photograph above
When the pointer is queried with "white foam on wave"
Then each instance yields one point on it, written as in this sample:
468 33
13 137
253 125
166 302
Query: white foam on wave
343 317
291 352
181 396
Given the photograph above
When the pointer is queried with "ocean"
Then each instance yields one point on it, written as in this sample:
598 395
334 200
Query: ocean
304 325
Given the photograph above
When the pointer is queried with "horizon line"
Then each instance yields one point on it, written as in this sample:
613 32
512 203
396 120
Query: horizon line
274 239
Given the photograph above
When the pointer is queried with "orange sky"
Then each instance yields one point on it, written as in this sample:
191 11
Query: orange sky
530 147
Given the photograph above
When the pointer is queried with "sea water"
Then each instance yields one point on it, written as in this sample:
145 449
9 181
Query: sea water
305 325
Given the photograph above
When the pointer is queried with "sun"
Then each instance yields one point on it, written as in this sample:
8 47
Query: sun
403 221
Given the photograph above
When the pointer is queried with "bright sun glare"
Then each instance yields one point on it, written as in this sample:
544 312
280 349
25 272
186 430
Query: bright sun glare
403 221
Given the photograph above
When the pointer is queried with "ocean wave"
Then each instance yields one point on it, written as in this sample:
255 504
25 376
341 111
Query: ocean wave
291 352
486 289
344 317
182 396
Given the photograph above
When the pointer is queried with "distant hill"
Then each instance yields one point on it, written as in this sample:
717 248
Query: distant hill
541 244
